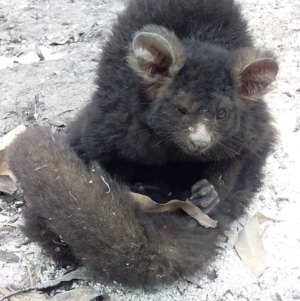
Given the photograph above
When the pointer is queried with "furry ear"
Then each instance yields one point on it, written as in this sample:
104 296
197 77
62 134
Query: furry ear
156 55
153 53
257 75
254 70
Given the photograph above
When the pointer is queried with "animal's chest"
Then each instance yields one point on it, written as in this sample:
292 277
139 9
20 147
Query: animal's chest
160 182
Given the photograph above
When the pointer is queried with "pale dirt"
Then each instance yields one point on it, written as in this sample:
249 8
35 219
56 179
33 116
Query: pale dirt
52 91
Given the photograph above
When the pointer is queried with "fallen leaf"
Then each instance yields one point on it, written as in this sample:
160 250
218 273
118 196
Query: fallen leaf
30 296
22 296
148 205
6 62
80 294
28 58
4 291
17 224
7 179
3 219
77 274
50 54
58 123
7 185
249 245
59 41
75 36
29 279
8 257
6 140
39 53
196 280
4 171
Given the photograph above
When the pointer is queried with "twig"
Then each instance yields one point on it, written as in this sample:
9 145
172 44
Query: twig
28 270
17 293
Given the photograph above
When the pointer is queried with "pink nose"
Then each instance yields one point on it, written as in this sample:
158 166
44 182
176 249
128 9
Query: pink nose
199 138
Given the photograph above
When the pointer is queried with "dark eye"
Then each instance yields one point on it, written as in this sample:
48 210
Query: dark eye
182 111
222 114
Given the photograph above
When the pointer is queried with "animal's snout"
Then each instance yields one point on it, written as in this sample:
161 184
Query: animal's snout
199 138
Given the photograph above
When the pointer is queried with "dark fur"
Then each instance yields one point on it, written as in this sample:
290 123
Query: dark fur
107 231
134 128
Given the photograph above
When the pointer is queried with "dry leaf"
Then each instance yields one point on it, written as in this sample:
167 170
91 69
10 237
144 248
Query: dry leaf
30 296
28 58
196 280
7 179
80 294
30 279
4 170
80 274
8 257
6 62
148 205
6 140
7 185
4 291
59 41
262 218
77 274
249 245
4 219
17 224
39 53
22 296
75 36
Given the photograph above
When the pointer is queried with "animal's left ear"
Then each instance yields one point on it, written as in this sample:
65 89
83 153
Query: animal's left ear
253 71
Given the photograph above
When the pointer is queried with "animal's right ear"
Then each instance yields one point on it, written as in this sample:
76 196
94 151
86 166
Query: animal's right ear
153 53
156 56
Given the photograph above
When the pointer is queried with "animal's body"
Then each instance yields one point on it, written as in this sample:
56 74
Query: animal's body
178 113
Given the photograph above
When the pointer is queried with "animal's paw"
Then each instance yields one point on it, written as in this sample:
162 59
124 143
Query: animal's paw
205 196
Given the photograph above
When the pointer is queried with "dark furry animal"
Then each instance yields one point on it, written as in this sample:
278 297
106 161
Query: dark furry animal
178 113
104 226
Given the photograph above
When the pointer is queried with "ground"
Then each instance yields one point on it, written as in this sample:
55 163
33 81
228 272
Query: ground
51 88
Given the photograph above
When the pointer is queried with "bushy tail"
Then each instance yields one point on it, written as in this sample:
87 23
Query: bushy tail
98 218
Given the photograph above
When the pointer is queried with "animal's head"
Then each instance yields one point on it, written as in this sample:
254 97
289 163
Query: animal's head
197 92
